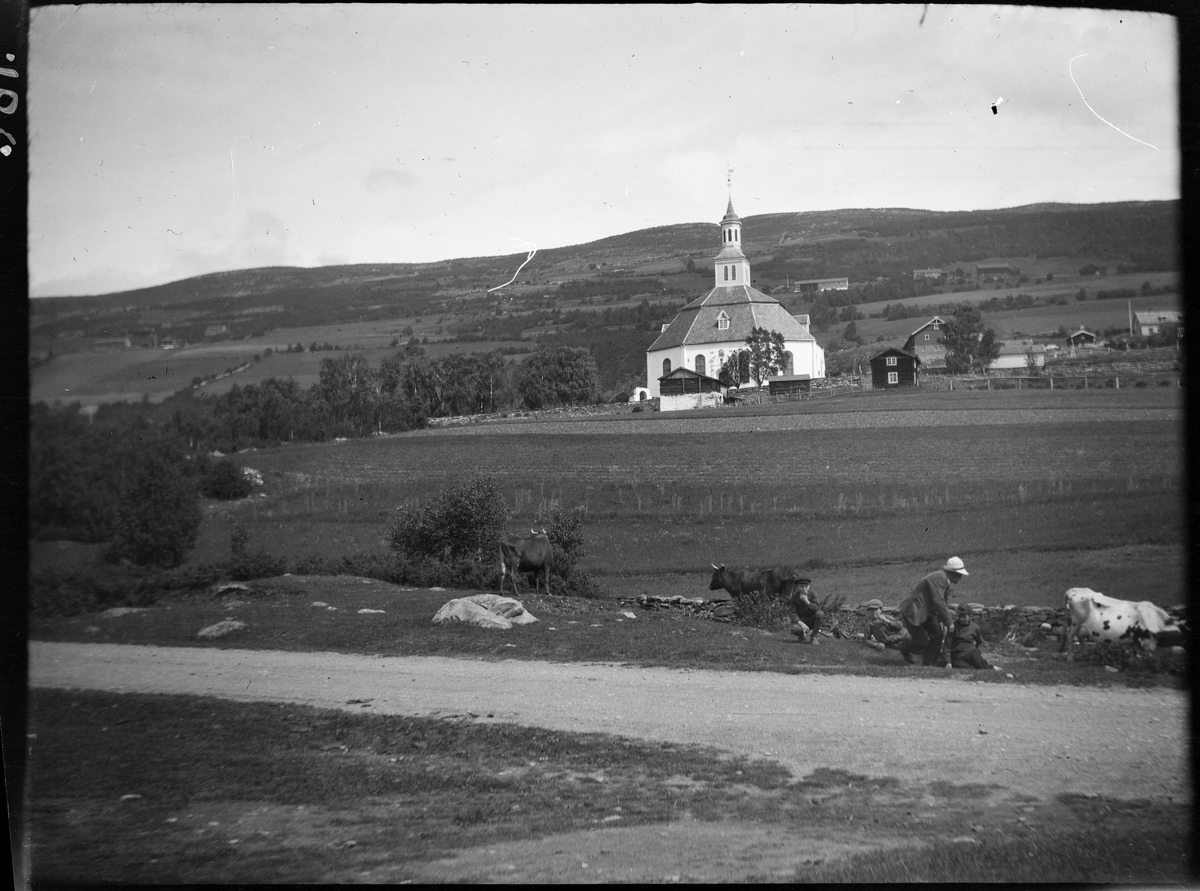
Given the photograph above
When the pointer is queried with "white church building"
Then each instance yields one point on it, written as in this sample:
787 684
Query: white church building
712 330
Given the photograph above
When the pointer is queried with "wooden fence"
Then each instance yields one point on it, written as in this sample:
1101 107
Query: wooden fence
1092 380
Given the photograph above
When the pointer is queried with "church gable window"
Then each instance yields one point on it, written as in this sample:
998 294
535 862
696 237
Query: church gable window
722 321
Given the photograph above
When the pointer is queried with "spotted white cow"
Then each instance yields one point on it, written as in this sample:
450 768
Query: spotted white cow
1094 617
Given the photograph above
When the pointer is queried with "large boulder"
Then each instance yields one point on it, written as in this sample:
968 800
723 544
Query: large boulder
484 611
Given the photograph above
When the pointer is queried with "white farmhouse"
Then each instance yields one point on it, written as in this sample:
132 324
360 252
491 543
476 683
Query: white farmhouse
712 330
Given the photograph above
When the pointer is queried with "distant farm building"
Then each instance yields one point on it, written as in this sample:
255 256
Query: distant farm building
1148 323
926 343
216 330
816 285
640 394
996 269
1082 337
932 274
1018 354
895 368
789 384
711 331
145 337
685 389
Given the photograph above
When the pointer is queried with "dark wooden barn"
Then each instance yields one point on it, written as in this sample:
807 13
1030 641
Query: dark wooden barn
895 368
684 380
789 385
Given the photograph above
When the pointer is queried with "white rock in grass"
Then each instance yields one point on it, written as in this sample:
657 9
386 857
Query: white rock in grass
485 611
220 629
627 614
366 611
319 603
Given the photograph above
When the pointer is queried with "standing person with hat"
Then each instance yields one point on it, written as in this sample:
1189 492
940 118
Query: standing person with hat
926 612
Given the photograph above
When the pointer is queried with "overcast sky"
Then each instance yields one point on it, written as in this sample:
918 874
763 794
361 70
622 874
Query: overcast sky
174 140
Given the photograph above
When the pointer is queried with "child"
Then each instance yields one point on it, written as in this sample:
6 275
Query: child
808 615
882 631
964 640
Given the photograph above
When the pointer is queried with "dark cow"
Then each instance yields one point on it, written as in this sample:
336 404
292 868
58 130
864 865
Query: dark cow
529 553
781 580
1095 617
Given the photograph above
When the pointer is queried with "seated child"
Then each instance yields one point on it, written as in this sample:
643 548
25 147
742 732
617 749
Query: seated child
963 642
808 614
882 631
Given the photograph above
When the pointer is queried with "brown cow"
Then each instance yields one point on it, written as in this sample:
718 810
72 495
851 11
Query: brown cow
531 553
780 580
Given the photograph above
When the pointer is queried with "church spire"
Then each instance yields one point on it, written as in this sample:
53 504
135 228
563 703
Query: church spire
731 266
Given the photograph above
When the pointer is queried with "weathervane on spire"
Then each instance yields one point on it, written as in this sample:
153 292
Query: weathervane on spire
729 181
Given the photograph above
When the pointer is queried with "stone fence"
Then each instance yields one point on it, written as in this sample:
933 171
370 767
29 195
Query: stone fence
993 621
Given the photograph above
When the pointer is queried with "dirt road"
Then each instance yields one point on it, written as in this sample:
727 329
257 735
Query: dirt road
1036 741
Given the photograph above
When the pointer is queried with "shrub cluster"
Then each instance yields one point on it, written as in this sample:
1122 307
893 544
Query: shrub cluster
246 564
224 481
463 522
71 593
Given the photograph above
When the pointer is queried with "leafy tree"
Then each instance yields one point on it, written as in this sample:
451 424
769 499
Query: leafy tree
851 333
158 512
766 350
968 344
558 376
350 388
736 370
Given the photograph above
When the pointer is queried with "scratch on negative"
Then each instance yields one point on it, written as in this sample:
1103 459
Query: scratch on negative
1093 111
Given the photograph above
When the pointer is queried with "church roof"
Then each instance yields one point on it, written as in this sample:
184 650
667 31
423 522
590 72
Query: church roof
745 307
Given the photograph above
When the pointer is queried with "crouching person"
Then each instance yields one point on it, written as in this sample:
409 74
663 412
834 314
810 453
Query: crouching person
883 632
964 641
808 615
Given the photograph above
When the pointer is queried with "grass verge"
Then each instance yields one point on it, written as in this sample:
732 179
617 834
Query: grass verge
317 613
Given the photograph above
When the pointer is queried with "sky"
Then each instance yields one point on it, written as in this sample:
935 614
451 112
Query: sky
168 141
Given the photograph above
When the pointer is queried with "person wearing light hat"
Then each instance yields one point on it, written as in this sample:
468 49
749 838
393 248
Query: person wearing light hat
926 612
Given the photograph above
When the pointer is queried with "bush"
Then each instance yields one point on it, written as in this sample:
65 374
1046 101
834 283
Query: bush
465 521
224 480
759 610
245 564
158 513
71 593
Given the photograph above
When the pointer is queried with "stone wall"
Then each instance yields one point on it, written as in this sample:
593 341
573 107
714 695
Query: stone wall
994 621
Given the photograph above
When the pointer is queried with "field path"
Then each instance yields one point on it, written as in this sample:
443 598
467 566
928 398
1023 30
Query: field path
1038 741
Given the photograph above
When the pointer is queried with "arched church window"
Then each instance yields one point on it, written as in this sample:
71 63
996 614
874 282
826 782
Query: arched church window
666 366
734 268
787 362
726 274
699 365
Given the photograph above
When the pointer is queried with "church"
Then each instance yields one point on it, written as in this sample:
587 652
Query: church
712 330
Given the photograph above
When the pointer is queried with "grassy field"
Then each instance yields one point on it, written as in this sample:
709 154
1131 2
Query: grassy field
1056 501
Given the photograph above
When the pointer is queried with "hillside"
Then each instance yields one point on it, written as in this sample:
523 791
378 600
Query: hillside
589 294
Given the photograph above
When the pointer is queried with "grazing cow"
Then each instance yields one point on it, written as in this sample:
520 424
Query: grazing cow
1094 617
737 582
781 580
531 553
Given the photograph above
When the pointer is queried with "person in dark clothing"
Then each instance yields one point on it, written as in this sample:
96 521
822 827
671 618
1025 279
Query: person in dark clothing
883 631
926 612
964 642
808 614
